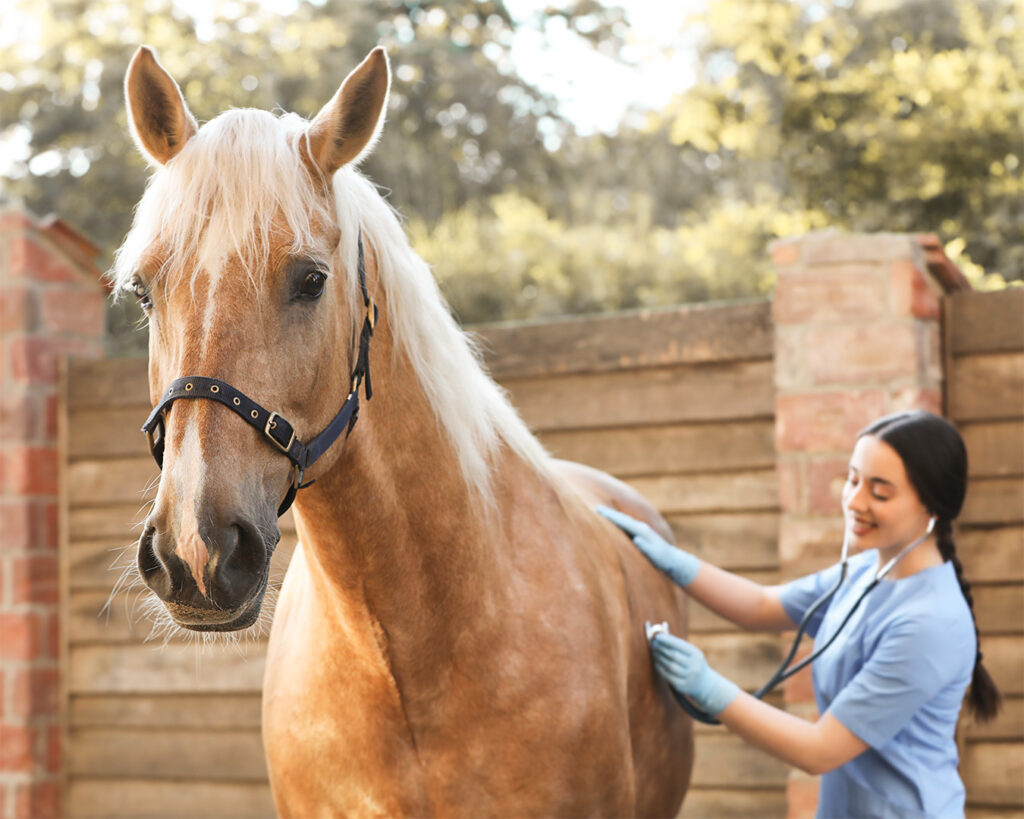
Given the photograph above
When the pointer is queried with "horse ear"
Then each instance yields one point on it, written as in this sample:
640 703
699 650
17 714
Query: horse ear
348 126
160 121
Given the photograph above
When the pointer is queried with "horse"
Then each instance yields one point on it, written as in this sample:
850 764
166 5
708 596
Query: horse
457 633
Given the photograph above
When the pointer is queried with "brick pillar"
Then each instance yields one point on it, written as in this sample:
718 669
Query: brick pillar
51 306
857 335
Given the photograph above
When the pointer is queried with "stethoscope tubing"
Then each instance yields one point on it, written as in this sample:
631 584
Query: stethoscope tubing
784 672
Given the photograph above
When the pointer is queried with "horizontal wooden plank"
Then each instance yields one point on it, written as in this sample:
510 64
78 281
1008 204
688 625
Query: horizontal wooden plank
696 333
722 759
996 449
1005 662
644 397
987 387
107 432
1009 724
173 669
987 322
203 711
738 491
994 773
113 382
999 609
995 553
155 799
119 481
733 802
687 448
732 540
121 522
230 755
99 617
700 619
994 500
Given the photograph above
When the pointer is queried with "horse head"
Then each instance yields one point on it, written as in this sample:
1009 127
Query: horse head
252 295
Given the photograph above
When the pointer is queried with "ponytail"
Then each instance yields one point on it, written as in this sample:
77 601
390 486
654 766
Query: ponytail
983 698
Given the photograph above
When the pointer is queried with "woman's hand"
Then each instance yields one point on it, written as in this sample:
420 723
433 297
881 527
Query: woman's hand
679 565
684 668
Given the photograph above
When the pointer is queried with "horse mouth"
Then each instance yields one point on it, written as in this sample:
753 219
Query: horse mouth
195 618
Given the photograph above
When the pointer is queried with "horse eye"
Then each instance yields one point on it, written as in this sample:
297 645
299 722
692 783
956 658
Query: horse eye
141 293
313 285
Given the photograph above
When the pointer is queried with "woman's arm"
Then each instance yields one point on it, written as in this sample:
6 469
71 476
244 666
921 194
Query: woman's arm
814 747
744 602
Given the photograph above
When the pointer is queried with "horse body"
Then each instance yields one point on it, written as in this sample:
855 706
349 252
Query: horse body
458 633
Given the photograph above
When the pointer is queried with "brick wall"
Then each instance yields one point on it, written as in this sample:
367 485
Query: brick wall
51 306
857 335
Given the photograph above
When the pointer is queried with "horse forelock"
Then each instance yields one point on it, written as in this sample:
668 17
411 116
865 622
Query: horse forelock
237 178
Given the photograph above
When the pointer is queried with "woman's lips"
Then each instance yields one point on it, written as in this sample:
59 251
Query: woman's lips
859 527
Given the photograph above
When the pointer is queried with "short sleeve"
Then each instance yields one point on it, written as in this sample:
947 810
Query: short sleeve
799 595
908 667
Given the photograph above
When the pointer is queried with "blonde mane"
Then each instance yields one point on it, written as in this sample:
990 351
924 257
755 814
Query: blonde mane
246 163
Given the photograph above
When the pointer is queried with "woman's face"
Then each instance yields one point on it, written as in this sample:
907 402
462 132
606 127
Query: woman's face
881 506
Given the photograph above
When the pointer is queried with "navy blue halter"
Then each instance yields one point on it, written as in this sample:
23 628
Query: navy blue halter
278 431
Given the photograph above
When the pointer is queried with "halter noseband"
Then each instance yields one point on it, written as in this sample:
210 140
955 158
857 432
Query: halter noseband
279 432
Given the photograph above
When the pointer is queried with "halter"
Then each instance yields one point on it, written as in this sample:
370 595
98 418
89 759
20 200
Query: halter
279 432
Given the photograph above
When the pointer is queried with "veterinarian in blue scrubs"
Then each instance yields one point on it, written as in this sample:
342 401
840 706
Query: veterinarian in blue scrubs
889 688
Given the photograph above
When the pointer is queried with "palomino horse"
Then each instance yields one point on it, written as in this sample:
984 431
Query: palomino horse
458 633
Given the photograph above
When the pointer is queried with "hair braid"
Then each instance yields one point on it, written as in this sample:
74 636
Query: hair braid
984 698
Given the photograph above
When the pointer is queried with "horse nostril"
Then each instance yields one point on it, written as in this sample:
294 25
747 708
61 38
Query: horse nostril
153 571
242 564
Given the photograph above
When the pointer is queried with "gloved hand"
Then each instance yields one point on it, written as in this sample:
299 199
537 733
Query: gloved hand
679 565
684 668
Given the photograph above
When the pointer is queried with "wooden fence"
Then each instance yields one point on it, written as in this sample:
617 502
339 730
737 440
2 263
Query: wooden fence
678 403
985 398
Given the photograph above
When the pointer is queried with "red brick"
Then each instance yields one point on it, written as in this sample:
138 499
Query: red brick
911 293
824 422
32 470
73 311
35 579
53 749
51 407
31 260
15 748
832 247
15 220
17 309
27 524
861 354
785 252
21 636
808 544
801 797
37 800
790 475
33 359
844 293
20 416
825 479
35 692
916 398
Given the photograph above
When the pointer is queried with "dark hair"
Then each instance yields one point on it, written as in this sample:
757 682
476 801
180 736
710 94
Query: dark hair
934 455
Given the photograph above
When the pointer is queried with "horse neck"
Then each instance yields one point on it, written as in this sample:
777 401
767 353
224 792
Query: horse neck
392 527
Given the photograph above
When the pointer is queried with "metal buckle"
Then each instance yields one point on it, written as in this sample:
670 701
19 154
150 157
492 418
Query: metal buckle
283 447
152 443
371 314
150 438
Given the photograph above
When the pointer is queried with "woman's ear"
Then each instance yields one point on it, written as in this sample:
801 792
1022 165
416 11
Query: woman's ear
160 121
347 127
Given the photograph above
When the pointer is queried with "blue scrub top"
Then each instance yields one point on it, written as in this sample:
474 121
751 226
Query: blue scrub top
895 677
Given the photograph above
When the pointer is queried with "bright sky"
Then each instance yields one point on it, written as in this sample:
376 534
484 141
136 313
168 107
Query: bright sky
595 90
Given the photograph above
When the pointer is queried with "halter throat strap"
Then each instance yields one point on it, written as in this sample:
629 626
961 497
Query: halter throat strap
277 430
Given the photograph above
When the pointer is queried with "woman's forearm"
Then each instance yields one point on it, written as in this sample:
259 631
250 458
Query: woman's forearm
739 600
814 747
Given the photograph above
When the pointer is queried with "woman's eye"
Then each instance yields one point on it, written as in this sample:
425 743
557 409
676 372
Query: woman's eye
142 294
313 285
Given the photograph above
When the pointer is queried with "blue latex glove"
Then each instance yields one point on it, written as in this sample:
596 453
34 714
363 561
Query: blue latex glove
679 565
684 668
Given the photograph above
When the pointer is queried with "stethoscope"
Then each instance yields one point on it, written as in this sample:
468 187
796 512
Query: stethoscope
784 672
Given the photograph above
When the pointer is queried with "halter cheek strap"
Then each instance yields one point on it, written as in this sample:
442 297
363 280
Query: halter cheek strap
278 431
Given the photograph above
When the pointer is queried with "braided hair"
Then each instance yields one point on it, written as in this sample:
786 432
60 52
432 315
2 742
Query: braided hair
934 455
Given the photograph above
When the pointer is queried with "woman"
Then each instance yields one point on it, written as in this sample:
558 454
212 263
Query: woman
889 688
